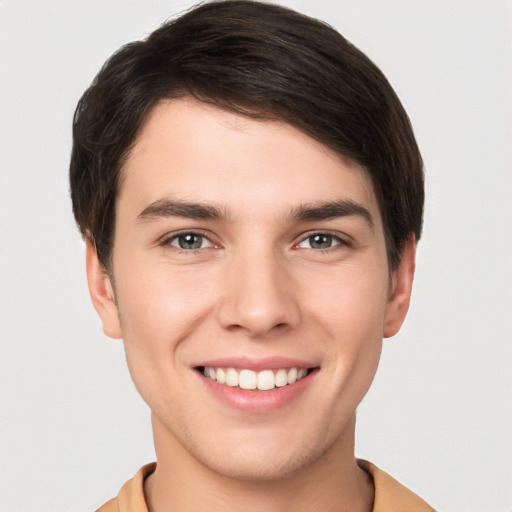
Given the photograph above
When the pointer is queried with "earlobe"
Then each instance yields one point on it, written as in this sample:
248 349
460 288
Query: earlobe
400 295
102 292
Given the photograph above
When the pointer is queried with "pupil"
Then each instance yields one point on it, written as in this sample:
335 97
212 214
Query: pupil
321 241
190 241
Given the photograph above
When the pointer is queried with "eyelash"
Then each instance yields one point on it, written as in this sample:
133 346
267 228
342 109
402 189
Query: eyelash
338 240
167 241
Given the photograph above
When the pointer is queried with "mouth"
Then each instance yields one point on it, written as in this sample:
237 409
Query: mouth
246 379
257 386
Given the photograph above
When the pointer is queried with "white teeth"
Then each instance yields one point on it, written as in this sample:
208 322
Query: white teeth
292 375
221 375
281 378
232 377
247 379
301 373
264 380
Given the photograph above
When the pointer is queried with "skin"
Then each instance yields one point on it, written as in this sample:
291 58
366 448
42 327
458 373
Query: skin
256 287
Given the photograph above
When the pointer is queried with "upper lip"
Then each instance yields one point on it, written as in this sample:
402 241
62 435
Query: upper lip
257 364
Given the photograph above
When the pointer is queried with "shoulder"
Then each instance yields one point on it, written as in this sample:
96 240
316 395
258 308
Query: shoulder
131 496
110 506
391 495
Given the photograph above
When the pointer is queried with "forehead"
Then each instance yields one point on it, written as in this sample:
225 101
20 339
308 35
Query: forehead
192 151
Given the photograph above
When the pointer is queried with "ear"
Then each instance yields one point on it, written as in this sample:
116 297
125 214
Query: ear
102 292
401 288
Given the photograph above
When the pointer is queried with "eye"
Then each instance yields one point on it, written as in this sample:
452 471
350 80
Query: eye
320 241
190 241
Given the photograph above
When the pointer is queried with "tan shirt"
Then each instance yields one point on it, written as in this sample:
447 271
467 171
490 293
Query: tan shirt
390 495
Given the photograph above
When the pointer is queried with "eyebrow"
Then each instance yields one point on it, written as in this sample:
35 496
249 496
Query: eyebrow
307 212
331 210
172 208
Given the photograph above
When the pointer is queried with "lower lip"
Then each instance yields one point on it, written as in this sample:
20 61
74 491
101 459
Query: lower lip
255 401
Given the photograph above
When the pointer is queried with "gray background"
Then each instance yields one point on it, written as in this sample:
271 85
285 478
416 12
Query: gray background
438 418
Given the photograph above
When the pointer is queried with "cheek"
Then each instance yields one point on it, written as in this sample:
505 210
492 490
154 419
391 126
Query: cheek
156 313
354 303
353 316
160 307
154 297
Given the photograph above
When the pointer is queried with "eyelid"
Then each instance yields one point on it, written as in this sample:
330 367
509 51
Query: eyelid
174 242
342 238
170 237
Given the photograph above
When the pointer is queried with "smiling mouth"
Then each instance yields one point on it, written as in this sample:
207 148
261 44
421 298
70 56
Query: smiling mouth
263 380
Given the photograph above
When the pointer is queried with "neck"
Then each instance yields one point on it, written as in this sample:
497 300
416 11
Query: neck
334 482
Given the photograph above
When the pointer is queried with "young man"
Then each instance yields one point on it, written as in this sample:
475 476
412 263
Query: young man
250 192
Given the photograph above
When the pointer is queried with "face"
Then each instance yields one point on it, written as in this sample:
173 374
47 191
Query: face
249 252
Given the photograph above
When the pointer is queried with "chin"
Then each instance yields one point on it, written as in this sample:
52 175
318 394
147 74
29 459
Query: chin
259 468
262 460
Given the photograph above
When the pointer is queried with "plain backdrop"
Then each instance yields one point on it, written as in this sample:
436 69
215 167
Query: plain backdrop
438 417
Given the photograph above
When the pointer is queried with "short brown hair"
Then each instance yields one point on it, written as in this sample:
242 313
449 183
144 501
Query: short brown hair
261 60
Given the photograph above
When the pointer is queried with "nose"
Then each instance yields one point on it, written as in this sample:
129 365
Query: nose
260 295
